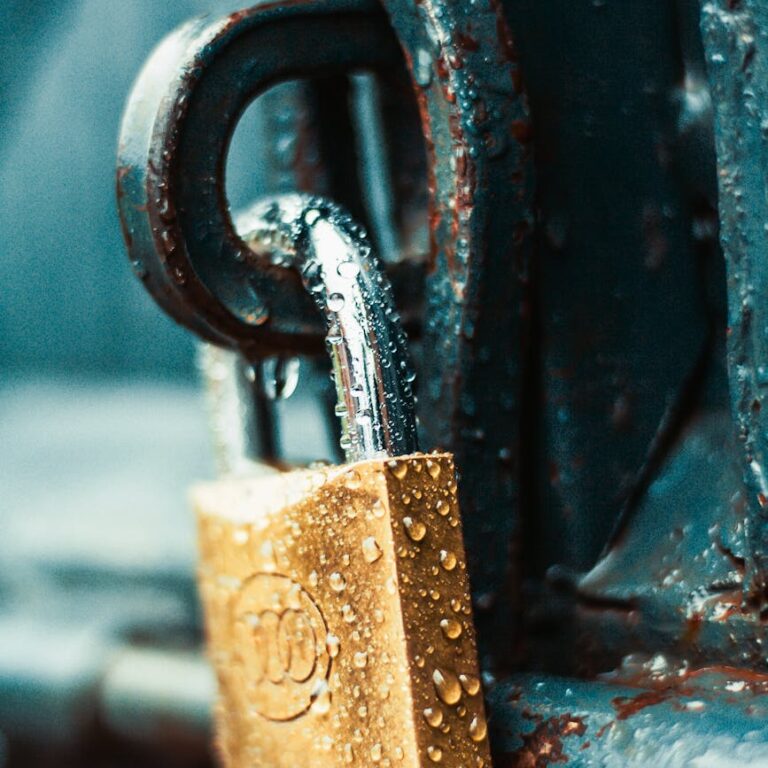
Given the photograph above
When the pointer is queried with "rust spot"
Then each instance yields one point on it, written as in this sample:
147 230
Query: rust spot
626 706
544 746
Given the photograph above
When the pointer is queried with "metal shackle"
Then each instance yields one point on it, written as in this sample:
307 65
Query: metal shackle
368 347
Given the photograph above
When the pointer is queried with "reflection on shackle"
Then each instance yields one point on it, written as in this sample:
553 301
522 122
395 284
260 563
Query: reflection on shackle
368 347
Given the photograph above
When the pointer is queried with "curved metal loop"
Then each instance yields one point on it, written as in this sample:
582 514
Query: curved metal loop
174 138
367 344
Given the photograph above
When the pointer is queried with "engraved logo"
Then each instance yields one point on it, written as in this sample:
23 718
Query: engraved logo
280 641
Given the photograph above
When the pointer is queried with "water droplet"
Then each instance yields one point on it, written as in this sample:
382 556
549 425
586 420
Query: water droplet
422 70
376 752
470 684
456 605
360 659
335 302
447 559
433 716
433 469
352 480
442 507
337 581
371 550
241 536
311 216
447 686
434 753
321 699
378 508
278 377
348 614
478 728
451 628
348 269
313 579
349 754
398 468
333 644
416 530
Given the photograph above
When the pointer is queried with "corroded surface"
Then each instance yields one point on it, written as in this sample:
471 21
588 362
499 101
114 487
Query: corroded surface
339 619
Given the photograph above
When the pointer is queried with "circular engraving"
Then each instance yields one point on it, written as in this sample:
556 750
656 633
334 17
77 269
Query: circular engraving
280 641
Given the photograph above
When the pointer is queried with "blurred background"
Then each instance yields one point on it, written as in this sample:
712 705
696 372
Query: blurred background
102 421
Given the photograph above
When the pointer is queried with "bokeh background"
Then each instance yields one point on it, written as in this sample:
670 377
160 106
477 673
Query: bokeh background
102 421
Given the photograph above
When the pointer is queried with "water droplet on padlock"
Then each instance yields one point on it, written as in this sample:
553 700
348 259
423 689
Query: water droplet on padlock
348 269
371 550
360 660
415 529
337 581
447 686
447 559
352 480
470 684
321 698
333 644
376 752
451 628
398 468
422 69
278 377
433 716
442 507
478 728
434 753
348 614
335 302
434 469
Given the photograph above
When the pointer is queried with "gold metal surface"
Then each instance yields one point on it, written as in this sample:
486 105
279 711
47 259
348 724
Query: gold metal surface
338 618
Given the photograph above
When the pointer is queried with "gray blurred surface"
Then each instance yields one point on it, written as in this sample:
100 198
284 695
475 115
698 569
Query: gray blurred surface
70 302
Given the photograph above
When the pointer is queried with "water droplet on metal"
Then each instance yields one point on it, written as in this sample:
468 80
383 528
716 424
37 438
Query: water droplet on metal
333 644
335 302
398 468
470 684
433 716
478 728
447 686
447 559
451 628
371 550
434 753
416 530
337 581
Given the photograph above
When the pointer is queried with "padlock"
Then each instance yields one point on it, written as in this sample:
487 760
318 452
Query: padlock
336 599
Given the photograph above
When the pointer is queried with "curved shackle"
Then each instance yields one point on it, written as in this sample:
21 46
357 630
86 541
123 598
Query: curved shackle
174 139
368 347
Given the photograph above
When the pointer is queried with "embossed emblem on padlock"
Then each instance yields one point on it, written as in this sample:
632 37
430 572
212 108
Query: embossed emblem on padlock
336 599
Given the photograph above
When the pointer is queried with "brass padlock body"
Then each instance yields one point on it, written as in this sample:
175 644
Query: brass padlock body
339 619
